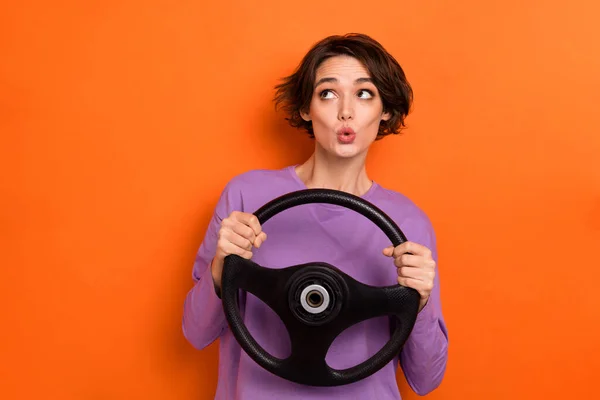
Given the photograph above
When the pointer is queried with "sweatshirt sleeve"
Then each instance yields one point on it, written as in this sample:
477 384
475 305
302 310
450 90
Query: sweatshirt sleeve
203 316
425 353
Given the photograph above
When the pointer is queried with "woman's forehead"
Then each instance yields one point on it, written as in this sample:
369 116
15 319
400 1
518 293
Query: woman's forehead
340 67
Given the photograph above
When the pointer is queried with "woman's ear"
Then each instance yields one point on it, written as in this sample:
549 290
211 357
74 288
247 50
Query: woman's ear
386 116
305 116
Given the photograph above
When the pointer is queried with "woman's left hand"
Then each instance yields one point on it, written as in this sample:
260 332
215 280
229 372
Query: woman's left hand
416 268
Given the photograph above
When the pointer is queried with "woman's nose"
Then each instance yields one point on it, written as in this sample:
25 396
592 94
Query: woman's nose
346 110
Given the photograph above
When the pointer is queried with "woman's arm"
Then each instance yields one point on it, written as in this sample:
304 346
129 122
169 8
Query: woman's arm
203 316
425 353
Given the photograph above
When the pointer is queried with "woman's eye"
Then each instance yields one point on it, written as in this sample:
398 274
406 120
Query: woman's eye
365 94
326 94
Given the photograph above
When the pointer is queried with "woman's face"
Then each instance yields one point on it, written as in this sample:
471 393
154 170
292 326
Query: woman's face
345 108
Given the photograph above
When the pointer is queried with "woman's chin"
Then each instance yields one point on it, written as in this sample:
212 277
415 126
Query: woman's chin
342 151
346 151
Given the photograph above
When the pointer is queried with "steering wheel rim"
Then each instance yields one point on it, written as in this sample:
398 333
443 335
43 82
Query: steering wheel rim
351 298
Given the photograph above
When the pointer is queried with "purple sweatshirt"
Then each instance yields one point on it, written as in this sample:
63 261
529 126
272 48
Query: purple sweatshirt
307 233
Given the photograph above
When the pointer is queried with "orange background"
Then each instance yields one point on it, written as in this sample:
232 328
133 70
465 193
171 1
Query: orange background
121 122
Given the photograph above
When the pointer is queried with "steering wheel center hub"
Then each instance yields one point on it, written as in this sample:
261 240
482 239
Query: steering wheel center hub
316 294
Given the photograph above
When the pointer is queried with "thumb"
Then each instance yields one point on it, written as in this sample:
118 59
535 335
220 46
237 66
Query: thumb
388 251
260 239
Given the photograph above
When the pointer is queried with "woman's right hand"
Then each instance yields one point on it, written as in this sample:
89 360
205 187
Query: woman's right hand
239 232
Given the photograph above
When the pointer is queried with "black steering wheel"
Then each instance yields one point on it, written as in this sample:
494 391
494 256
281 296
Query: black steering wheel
317 301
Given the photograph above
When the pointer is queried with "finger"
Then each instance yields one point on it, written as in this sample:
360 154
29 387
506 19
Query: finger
250 220
409 260
244 231
237 240
416 273
412 248
230 248
422 287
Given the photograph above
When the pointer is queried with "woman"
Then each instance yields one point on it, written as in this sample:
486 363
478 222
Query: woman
347 93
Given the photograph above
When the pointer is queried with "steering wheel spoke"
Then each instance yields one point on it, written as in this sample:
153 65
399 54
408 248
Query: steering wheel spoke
365 302
267 284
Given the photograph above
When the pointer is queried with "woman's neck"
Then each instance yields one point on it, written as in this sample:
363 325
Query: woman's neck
348 175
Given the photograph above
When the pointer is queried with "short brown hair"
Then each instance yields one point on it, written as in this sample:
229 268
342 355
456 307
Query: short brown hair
294 94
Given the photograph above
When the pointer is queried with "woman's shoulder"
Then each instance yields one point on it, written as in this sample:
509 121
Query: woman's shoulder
249 190
396 199
261 179
401 208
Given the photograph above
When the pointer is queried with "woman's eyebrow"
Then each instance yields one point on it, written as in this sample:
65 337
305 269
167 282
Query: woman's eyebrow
324 80
334 80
